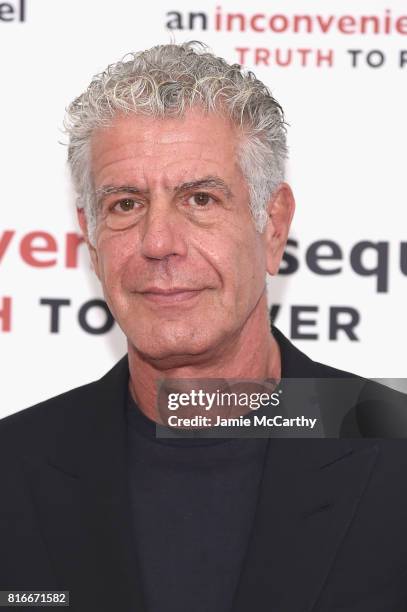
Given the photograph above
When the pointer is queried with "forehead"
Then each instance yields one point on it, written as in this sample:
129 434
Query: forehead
155 148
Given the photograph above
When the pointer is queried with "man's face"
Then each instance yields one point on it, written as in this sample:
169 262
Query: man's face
181 263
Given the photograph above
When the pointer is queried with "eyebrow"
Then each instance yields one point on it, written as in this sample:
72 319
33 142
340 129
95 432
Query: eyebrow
207 182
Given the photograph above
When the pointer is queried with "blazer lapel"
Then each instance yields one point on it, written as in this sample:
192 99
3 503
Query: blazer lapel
81 498
309 494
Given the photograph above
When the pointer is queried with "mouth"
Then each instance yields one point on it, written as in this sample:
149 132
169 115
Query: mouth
170 296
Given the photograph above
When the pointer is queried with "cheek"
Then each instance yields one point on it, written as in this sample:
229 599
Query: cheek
242 266
252 276
112 256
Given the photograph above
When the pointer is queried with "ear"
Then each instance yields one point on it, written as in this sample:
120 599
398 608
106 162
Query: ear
280 213
92 251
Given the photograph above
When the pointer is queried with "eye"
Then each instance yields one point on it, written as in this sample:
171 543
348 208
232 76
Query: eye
124 205
200 199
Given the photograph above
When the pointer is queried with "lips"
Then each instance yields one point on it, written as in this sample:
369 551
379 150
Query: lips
169 291
173 295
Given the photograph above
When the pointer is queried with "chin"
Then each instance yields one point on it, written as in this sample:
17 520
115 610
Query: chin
180 348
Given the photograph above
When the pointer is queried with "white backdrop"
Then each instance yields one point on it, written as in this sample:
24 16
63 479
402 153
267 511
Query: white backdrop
347 137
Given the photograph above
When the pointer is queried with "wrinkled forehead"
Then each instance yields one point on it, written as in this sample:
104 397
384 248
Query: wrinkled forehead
168 149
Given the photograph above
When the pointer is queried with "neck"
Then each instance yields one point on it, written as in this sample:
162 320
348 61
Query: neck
252 353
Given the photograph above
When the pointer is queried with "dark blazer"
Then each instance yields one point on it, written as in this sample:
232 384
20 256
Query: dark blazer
329 534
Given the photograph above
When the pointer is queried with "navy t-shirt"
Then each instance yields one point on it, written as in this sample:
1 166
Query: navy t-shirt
193 504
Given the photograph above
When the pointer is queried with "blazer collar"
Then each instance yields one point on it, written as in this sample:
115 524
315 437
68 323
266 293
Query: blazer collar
294 363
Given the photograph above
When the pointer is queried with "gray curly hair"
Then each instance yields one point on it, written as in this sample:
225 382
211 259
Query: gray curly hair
167 80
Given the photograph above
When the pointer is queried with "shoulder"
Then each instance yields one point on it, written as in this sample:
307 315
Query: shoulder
36 425
375 410
366 408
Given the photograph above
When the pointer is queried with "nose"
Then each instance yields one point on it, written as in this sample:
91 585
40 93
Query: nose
162 232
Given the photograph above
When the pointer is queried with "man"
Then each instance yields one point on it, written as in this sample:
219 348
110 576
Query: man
178 160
